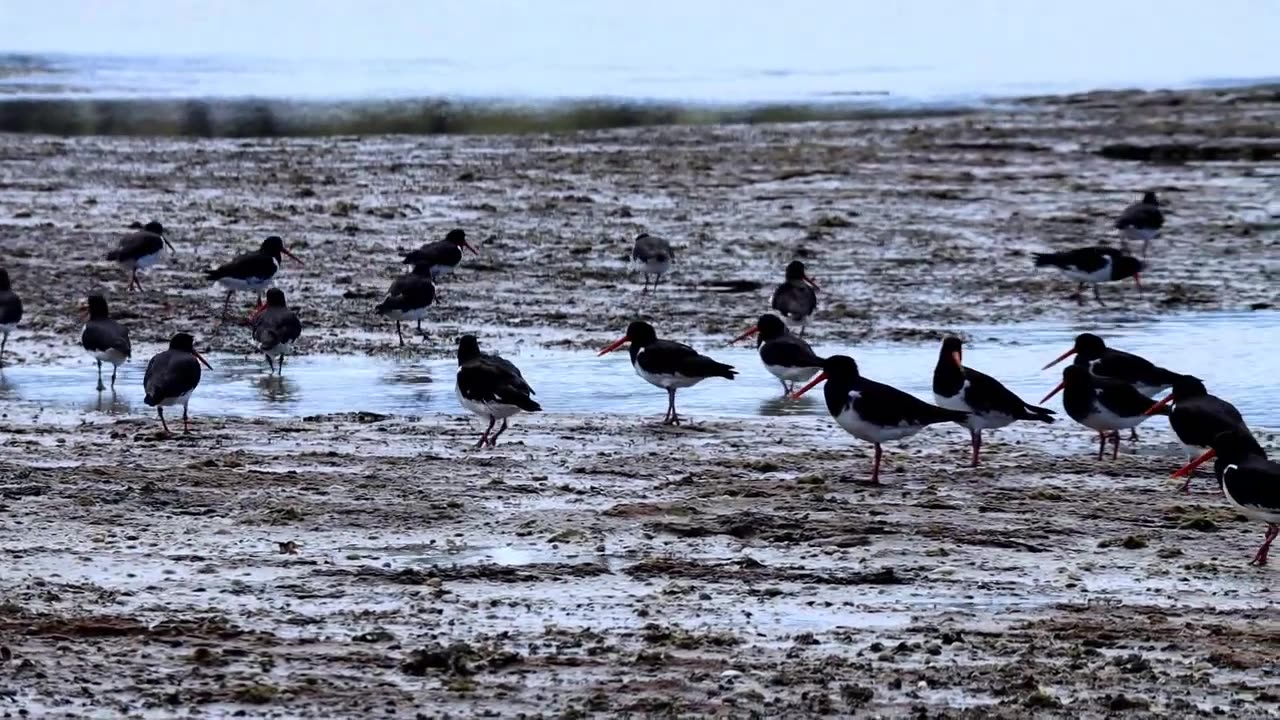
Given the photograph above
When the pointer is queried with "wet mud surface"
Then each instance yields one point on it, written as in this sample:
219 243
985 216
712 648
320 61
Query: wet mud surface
368 565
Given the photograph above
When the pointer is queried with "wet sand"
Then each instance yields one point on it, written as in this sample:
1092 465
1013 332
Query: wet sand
370 566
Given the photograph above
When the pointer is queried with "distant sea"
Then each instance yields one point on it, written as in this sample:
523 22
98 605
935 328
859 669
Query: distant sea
609 53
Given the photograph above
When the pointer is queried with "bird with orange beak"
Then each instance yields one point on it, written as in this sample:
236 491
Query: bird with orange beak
1197 417
786 356
1249 480
796 298
172 376
666 364
1093 266
871 411
1105 406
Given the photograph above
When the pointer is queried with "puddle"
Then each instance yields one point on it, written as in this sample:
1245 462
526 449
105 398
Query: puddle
1234 353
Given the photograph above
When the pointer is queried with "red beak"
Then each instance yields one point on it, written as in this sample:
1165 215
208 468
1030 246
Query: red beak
1185 471
292 256
467 245
614 345
812 284
1059 359
750 331
956 357
1053 392
257 311
201 359
821 376
1159 405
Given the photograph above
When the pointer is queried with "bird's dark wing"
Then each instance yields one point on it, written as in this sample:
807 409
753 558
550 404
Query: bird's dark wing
170 374
276 326
986 395
1122 399
516 378
1254 482
1141 216
103 335
665 357
10 307
409 292
1199 420
652 248
789 351
136 245
794 300
483 380
1131 368
888 406
1087 260
440 252
248 265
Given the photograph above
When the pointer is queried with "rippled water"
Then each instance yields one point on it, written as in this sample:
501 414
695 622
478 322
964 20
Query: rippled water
1235 353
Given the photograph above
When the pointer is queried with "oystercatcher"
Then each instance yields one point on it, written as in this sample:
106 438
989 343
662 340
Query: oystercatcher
655 256
252 270
1093 265
1249 480
105 339
408 298
1142 221
990 404
785 356
275 328
1106 406
172 376
796 298
139 250
442 256
666 364
10 311
1104 362
1198 417
491 387
874 412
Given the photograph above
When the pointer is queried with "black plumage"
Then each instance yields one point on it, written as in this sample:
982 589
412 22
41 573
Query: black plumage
1103 405
1142 221
667 364
786 356
492 387
1104 362
442 256
105 339
796 298
1092 266
408 298
140 249
10 311
251 271
172 376
989 403
275 328
654 254
1249 481
1198 417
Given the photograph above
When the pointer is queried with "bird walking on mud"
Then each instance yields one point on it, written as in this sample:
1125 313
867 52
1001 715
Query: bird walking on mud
172 376
492 387
1103 405
104 338
797 297
785 356
1249 481
10 311
874 412
442 256
1198 417
654 254
1093 266
139 250
989 404
1141 221
252 271
408 298
667 364
275 328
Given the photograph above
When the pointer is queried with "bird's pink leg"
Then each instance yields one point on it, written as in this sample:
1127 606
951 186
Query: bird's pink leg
1102 444
977 445
1261 557
1115 444
875 467
485 437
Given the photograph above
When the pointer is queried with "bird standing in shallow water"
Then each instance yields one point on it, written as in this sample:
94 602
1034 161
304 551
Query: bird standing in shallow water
1092 266
105 339
275 328
871 411
408 298
1106 406
654 255
172 376
666 364
491 387
139 250
1141 221
442 256
786 356
10 311
990 404
251 271
1249 480
796 298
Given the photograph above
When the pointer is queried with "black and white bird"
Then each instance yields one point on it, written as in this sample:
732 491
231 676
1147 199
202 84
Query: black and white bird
990 404
10 311
654 254
251 271
1092 266
408 298
442 256
105 339
139 250
1104 362
491 387
786 356
796 298
1249 480
275 328
172 376
1104 406
1142 221
1198 417
874 412
667 364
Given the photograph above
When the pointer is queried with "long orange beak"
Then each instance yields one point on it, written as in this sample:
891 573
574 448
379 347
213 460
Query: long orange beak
1060 358
292 256
1053 392
257 311
201 359
614 345
812 284
467 245
1186 470
750 331
821 376
955 356
1154 408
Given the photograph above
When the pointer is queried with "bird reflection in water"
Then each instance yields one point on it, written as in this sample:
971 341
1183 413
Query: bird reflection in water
109 402
277 388
776 406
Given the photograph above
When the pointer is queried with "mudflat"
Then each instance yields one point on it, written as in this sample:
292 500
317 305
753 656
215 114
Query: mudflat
361 565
